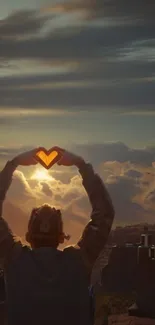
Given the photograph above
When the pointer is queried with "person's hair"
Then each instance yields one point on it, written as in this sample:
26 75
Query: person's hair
45 227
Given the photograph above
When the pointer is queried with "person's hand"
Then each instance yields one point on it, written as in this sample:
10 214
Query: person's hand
68 158
27 158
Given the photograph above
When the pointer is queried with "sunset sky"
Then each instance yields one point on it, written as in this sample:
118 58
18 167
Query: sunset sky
81 76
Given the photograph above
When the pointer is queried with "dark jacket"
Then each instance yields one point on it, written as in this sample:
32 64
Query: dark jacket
46 285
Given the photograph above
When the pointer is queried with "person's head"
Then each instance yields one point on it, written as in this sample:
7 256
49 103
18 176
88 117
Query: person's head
45 227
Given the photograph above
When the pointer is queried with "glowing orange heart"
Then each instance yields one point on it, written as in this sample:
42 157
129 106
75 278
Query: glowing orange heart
47 158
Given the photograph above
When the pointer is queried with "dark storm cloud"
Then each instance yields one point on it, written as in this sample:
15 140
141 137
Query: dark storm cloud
113 95
88 43
99 50
134 9
84 42
114 8
20 23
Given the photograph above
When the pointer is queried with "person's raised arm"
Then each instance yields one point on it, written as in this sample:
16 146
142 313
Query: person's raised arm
95 234
6 237
7 240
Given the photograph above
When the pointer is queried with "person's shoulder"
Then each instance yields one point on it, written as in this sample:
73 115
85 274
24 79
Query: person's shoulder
26 248
74 257
20 249
72 250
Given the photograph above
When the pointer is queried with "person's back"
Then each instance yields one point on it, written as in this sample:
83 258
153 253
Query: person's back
44 284
47 279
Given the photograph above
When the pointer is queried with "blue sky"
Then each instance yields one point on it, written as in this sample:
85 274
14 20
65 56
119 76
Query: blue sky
82 76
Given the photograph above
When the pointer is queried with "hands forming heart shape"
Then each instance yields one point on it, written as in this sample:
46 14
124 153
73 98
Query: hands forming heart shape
47 158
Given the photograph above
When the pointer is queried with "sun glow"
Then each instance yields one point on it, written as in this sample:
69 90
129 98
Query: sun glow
42 175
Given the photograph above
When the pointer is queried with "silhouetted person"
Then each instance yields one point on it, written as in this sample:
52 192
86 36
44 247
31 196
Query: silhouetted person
46 285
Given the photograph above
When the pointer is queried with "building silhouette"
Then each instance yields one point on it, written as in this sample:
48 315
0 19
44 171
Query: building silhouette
131 269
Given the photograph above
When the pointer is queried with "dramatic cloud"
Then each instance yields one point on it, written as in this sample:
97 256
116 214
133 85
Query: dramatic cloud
16 218
128 175
113 53
63 175
20 192
110 8
124 96
71 62
134 174
142 10
46 189
123 190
